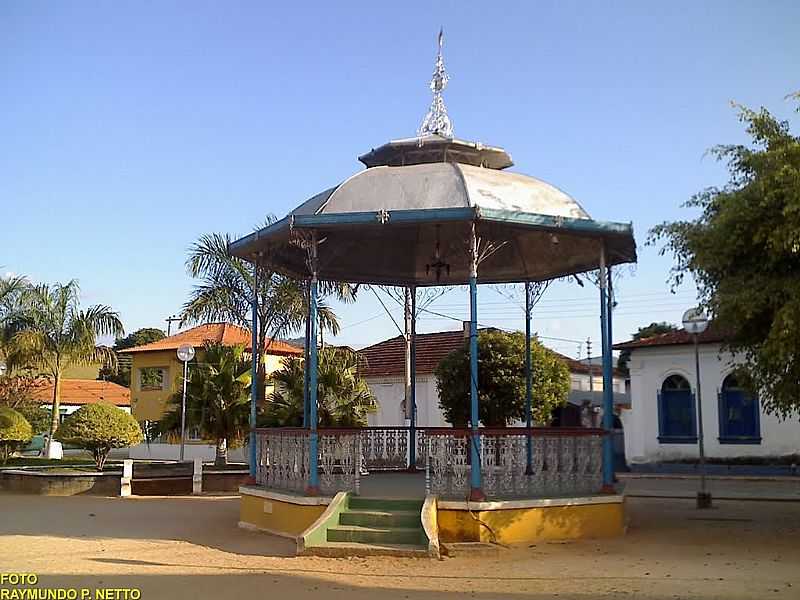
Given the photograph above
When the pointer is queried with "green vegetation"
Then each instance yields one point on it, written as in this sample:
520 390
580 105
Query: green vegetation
15 432
743 251
98 428
226 291
217 399
501 381
343 398
50 332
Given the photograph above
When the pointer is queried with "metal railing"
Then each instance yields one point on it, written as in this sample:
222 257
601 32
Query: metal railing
564 461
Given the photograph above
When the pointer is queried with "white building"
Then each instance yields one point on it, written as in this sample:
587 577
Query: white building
384 373
661 424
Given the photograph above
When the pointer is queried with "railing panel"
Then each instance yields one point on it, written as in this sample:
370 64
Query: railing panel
385 448
282 459
340 460
564 462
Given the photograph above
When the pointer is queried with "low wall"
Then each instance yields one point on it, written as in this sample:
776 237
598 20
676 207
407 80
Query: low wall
277 513
20 481
176 482
190 451
518 521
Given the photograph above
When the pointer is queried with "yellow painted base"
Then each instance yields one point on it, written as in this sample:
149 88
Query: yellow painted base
517 525
275 516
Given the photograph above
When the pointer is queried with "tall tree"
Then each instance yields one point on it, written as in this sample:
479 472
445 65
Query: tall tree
501 381
344 398
11 293
642 333
52 333
226 292
743 251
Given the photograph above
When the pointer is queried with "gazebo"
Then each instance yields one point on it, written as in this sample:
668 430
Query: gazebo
435 210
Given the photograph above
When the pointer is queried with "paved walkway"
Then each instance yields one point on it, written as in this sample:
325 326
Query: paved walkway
190 548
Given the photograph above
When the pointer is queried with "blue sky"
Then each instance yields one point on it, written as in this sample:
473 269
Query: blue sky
130 128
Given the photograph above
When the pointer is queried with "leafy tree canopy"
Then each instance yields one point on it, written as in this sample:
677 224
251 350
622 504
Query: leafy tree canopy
642 333
743 251
99 428
501 381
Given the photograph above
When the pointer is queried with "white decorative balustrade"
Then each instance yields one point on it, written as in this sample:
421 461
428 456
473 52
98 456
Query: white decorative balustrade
564 462
282 458
386 448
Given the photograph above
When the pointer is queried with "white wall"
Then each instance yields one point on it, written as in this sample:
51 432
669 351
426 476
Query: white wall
648 369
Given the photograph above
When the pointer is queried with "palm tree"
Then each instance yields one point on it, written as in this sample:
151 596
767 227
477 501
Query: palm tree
11 289
226 293
217 399
343 398
50 332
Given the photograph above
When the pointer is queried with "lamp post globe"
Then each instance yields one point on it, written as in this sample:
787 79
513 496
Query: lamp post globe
185 354
695 322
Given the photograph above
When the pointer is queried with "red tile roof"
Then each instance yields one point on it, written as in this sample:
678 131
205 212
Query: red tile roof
223 333
83 391
712 335
387 358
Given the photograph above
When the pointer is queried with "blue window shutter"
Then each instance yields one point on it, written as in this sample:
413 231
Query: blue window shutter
722 414
661 431
694 415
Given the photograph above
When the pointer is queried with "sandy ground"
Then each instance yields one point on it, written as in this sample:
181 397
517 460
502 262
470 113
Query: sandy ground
191 548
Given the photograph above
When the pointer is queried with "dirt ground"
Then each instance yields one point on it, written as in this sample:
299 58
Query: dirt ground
191 548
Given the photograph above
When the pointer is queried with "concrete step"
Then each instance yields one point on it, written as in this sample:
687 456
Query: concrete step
376 535
377 518
340 549
384 504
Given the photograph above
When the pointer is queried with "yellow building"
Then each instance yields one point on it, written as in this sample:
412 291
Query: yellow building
156 370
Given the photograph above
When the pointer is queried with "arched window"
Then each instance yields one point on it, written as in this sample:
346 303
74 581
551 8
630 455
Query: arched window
677 422
739 413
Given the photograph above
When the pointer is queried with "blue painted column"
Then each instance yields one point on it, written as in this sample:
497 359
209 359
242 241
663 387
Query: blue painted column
254 371
476 491
528 381
306 357
412 450
313 449
608 391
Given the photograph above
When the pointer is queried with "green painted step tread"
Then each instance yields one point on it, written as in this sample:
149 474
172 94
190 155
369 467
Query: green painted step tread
371 529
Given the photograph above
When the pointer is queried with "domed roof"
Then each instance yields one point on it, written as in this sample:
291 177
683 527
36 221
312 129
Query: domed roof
442 185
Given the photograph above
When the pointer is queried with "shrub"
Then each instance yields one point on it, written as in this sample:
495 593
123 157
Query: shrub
99 428
501 381
15 431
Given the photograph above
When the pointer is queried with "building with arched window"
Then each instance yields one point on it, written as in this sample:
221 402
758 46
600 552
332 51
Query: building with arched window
661 424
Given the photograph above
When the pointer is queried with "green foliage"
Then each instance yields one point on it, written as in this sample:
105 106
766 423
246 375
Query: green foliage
98 428
343 398
17 391
743 251
15 431
52 333
501 381
642 333
217 398
226 290
122 374
38 416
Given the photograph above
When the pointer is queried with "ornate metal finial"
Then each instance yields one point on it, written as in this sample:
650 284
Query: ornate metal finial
437 121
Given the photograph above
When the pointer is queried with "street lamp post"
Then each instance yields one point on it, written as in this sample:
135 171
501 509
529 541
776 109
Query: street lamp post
695 322
185 354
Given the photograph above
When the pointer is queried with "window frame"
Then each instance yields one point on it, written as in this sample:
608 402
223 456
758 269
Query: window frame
676 439
164 379
722 411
